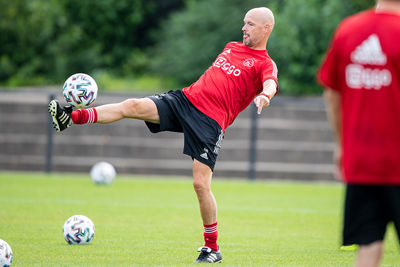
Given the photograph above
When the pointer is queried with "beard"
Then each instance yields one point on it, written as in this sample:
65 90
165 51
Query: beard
248 42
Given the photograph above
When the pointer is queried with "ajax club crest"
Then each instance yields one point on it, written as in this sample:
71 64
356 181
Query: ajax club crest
249 62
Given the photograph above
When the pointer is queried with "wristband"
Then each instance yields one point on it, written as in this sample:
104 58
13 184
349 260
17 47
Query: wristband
267 96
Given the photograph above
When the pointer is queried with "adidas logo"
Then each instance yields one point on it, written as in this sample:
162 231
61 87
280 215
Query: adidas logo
359 76
226 52
64 117
369 52
204 155
212 257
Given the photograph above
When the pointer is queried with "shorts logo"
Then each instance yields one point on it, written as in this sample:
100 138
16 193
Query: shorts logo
204 155
249 62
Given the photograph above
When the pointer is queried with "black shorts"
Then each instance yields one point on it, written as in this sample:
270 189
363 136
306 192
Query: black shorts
202 135
368 210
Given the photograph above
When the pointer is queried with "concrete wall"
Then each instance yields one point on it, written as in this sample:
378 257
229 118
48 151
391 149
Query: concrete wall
294 141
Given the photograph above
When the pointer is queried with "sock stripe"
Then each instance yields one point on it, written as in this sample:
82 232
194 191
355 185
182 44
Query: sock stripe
91 115
210 229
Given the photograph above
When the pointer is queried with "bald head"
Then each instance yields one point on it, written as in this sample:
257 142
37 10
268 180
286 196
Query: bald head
262 14
258 25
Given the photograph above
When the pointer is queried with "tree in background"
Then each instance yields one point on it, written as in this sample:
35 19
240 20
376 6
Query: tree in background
44 41
26 29
301 35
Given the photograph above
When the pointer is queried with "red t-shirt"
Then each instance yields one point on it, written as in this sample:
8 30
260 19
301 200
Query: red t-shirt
363 65
231 83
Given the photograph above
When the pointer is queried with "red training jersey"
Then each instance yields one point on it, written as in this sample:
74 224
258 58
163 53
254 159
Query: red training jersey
231 83
363 65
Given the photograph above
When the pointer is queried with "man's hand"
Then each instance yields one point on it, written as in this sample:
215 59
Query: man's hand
264 98
261 102
337 161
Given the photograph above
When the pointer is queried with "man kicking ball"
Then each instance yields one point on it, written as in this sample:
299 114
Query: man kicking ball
241 73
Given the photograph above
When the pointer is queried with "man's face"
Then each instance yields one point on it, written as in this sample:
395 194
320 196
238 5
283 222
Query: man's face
253 30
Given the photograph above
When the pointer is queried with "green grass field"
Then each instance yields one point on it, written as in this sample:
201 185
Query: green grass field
156 222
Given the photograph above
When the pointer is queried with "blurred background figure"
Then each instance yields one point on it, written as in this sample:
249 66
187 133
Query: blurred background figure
361 75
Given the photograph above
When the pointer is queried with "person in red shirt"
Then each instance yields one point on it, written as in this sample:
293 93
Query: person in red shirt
361 75
243 72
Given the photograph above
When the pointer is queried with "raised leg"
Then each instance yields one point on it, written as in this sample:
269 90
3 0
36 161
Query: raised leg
142 109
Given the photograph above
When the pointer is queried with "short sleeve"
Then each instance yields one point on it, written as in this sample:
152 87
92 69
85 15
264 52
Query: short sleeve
327 73
269 71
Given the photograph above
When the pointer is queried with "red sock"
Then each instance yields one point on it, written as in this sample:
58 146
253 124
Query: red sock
82 116
211 236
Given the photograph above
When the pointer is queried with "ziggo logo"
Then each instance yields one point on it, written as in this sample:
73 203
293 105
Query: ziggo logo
220 62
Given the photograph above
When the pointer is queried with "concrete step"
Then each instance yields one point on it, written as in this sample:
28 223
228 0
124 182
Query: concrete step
288 107
232 169
149 148
152 153
268 129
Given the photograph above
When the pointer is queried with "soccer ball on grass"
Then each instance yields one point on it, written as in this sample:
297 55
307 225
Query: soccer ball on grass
6 255
102 173
80 90
78 230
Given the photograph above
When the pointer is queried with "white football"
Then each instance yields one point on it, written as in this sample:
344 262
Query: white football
78 230
6 255
103 173
80 90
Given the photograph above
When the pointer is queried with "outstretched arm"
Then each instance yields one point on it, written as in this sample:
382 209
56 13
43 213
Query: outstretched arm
264 98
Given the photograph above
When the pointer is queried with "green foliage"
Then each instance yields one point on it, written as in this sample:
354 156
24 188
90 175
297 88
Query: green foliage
111 24
356 5
44 41
301 35
23 35
41 43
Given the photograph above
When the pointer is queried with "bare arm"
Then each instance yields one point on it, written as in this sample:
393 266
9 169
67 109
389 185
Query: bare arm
332 101
269 89
333 110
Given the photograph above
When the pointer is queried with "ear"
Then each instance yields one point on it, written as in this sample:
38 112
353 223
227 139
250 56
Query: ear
267 28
